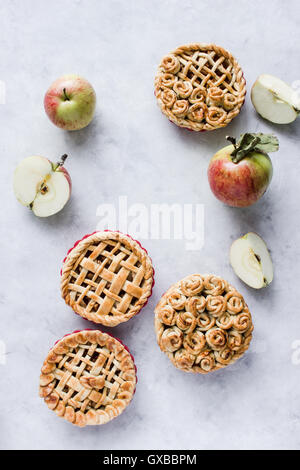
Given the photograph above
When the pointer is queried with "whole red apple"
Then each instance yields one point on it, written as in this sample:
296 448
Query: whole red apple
70 102
239 174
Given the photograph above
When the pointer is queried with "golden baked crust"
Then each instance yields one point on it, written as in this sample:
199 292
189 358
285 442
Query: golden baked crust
107 278
88 377
200 87
203 324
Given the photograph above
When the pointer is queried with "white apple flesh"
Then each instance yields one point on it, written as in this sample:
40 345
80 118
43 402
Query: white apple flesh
275 100
251 261
41 185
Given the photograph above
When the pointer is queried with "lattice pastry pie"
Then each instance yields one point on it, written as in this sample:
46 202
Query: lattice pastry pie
200 87
88 377
107 277
203 324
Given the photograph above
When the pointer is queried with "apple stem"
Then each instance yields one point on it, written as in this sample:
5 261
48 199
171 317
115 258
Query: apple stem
66 96
61 162
250 143
232 140
63 159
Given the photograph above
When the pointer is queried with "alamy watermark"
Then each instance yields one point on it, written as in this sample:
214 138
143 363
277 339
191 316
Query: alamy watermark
156 221
2 353
296 352
2 92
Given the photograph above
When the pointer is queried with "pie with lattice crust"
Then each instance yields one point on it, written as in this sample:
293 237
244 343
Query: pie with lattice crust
107 277
200 87
203 324
88 377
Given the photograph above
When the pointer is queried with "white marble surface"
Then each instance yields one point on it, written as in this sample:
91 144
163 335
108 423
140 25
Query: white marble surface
131 149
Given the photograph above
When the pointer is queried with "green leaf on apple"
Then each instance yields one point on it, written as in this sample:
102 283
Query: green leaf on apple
251 142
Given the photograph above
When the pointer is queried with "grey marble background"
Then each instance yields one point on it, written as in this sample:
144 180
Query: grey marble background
131 149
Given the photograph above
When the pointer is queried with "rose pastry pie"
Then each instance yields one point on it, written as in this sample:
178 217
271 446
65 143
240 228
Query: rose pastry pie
200 87
107 277
203 324
88 377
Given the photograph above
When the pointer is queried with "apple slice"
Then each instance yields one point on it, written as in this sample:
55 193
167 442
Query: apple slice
41 185
275 100
251 261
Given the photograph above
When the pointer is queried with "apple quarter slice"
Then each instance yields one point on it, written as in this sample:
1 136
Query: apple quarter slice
251 260
275 100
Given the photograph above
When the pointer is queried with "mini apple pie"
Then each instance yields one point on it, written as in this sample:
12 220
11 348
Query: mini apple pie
203 324
88 377
107 277
200 87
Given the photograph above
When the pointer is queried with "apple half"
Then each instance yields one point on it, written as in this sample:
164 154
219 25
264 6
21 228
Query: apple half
251 260
41 185
275 100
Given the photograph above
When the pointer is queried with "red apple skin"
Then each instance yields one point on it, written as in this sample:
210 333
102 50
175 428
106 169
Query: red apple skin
66 174
77 111
239 184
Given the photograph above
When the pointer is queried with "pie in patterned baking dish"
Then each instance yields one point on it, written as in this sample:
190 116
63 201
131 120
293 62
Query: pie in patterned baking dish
107 277
88 377
203 324
200 87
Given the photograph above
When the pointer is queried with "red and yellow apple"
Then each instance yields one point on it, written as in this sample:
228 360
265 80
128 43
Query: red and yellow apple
239 174
41 185
70 102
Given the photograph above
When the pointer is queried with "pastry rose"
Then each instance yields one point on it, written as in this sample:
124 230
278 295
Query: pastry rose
225 321
192 285
242 321
216 338
170 63
215 96
205 321
216 305
215 116
186 322
235 340
198 94
180 108
167 80
197 112
194 342
167 315
176 299
205 361
171 339
183 89
235 302
183 359
214 285
230 101
196 304
168 97
224 356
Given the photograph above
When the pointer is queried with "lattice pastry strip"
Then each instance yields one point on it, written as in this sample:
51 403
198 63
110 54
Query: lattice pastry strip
200 87
107 278
203 324
88 378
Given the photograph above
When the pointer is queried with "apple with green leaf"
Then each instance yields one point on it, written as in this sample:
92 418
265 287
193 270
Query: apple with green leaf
41 185
70 102
240 173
